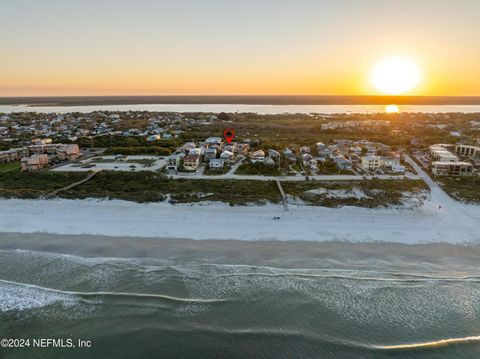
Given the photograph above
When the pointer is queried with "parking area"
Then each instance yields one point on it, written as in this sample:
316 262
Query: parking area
115 163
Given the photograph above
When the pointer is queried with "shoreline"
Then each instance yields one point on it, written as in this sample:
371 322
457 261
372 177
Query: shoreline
218 221
294 254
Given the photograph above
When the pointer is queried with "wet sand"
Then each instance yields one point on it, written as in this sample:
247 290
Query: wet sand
286 254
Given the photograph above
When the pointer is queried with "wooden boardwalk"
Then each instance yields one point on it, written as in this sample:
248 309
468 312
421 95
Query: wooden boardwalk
70 186
284 196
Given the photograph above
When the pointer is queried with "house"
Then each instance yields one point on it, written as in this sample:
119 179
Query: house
191 162
257 156
304 149
289 155
269 161
230 147
227 156
452 168
210 153
342 163
9 156
356 150
326 152
173 163
216 164
42 142
195 152
371 163
241 148
34 163
320 146
153 138
398 168
68 152
306 158
472 152
390 161
214 141
442 153
275 155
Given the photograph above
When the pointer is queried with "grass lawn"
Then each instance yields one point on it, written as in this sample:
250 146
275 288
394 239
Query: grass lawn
11 167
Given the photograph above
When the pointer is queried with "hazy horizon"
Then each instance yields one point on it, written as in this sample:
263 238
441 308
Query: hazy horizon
226 47
239 100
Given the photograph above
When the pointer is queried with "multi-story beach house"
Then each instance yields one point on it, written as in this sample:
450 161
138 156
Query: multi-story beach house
191 162
371 163
216 164
34 162
452 168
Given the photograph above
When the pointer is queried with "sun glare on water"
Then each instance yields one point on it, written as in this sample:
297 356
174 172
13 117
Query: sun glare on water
395 76
392 109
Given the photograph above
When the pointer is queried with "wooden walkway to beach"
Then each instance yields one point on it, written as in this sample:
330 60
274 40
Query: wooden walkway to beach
70 186
284 196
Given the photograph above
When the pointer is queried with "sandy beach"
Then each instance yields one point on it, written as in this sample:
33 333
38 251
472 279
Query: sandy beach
431 222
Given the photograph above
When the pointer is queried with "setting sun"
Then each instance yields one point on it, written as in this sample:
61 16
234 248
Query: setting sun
391 109
395 76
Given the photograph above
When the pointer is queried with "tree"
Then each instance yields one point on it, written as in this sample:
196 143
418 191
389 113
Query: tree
224 116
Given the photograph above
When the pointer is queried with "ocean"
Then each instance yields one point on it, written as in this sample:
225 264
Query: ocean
173 298
241 108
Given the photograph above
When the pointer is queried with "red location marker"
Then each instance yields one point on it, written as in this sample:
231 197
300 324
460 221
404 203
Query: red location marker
229 134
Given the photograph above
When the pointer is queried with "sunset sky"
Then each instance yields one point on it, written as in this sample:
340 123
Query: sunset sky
311 47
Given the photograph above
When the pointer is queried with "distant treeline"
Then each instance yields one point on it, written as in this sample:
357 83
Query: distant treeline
120 141
154 150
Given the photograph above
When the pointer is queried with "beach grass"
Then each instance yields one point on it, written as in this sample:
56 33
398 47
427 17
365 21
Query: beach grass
145 186
466 189
373 193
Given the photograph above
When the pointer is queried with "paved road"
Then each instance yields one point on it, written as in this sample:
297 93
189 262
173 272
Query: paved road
287 178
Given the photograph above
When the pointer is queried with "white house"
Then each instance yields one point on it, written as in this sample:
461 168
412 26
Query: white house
227 156
342 162
274 154
195 151
452 168
210 153
216 163
214 141
304 149
398 168
371 163
320 146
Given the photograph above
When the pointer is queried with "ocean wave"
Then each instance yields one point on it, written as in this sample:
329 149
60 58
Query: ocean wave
14 297
150 265
431 344
359 278
106 294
